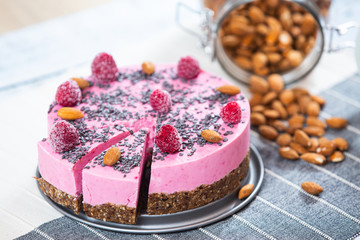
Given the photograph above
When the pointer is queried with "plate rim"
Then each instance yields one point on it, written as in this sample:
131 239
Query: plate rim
125 228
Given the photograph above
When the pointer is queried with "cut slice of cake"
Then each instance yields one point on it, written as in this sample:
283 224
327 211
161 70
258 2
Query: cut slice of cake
61 172
111 192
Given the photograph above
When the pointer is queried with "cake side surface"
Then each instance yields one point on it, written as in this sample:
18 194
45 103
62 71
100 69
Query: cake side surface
60 197
111 213
164 203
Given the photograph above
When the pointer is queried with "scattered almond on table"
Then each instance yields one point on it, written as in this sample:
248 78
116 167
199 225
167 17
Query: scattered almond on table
245 191
290 117
312 188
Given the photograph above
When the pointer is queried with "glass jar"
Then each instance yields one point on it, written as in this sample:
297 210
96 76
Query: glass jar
216 12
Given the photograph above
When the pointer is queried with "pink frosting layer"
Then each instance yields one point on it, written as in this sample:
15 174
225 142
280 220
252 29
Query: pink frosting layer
105 185
66 175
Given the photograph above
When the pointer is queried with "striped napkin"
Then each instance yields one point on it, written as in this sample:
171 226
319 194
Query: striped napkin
282 210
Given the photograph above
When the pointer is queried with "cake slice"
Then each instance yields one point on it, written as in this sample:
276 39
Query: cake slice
61 172
111 192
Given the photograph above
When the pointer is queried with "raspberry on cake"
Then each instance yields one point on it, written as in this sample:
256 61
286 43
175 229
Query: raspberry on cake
197 143
231 113
188 68
104 68
63 136
168 139
160 101
68 94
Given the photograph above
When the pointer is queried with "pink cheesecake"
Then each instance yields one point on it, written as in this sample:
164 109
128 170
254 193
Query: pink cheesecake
115 189
197 173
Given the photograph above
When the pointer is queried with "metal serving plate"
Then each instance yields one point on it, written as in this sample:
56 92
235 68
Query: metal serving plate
181 221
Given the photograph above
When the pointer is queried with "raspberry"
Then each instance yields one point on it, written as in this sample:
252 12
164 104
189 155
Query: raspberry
68 94
104 68
188 68
63 136
168 139
160 101
231 113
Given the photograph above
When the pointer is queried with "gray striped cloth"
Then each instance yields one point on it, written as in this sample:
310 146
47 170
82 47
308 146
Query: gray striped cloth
282 210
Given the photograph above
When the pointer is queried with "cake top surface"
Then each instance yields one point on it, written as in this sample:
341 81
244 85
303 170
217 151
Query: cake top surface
89 138
131 148
196 106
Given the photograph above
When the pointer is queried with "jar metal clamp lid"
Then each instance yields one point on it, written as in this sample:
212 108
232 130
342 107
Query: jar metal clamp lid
210 40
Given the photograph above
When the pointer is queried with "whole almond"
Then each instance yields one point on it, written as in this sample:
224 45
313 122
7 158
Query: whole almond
256 99
148 67
276 82
321 101
256 15
230 40
336 157
278 106
274 58
245 191
340 143
259 61
298 148
313 109
312 188
313 158
111 156
278 125
271 113
296 120
272 3
314 121
211 136
314 131
229 89
326 147
288 153
308 25
287 97
268 132
323 140
314 144
303 103
299 92
244 62
82 83
269 97
258 84
283 139
293 109
302 138
258 108
336 122
257 119
295 57
69 113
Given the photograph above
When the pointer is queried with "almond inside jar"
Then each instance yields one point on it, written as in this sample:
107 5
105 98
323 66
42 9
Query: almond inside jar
268 36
